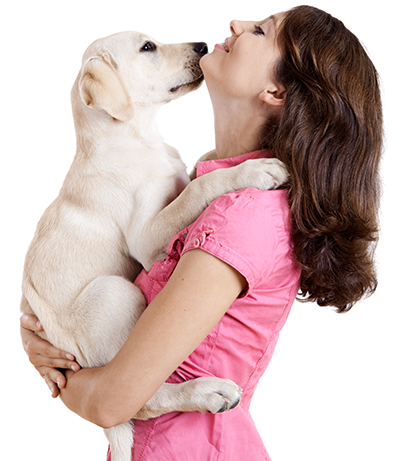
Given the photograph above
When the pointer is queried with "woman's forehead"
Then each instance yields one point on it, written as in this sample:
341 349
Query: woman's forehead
274 18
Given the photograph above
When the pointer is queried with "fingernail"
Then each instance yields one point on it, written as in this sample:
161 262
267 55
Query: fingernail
38 324
70 357
74 368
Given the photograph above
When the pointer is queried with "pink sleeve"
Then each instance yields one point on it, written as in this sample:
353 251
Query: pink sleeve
240 228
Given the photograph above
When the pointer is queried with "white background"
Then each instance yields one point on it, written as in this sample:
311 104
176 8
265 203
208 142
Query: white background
331 391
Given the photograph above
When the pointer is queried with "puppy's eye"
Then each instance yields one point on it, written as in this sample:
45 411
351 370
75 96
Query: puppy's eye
148 46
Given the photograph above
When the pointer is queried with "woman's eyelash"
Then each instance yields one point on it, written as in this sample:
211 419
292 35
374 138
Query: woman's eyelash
258 30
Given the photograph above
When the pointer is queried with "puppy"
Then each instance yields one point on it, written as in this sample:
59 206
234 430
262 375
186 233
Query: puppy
125 196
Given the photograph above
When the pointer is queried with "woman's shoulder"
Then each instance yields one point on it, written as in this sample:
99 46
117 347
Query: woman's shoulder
248 229
254 207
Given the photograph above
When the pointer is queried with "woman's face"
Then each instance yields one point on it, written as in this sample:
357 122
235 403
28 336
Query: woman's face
243 65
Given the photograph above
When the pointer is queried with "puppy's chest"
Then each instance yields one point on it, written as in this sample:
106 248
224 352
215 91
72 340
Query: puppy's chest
162 169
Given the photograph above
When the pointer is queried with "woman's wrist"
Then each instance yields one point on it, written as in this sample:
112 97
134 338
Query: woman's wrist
82 394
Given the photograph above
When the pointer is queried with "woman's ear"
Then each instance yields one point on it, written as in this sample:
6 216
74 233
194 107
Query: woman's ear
274 97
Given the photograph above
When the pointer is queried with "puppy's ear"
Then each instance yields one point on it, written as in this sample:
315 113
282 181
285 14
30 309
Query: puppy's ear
102 87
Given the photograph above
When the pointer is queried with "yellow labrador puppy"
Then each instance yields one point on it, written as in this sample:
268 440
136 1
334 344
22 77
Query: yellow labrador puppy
123 199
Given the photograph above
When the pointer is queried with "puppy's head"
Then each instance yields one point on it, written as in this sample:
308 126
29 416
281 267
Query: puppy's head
129 71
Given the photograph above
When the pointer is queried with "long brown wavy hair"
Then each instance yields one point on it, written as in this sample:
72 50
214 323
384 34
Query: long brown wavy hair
329 134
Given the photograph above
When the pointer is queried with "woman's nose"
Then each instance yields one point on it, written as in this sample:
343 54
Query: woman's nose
236 27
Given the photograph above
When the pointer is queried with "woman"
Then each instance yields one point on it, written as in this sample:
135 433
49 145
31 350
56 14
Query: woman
298 85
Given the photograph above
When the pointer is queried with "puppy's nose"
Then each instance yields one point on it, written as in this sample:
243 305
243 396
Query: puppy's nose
200 48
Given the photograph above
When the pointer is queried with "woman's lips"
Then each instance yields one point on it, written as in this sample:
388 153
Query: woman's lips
223 46
220 47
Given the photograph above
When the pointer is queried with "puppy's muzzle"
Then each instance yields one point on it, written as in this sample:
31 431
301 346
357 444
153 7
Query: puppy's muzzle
200 49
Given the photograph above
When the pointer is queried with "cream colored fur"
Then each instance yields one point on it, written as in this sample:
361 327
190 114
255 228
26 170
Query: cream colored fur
122 200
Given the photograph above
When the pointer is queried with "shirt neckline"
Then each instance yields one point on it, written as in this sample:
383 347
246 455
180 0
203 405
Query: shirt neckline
212 165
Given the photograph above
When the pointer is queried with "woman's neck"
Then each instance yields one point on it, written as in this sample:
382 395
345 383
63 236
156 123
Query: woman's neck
237 128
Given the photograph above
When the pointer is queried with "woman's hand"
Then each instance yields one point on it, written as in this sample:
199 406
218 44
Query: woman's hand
44 356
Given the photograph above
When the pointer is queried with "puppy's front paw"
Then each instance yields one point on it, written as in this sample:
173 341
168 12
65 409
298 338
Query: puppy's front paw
264 174
215 395
277 170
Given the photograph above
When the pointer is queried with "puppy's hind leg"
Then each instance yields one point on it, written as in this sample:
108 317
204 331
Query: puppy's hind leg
105 314
102 317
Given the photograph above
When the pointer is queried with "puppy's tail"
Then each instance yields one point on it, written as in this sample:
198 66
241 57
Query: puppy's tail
120 439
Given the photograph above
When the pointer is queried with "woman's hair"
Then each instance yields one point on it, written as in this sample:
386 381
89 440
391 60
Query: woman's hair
329 135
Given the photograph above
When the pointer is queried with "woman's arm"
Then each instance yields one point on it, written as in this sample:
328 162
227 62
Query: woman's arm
198 294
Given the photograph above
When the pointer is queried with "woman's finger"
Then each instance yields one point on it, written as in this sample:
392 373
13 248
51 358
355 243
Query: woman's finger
42 353
54 376
55 380
30 322
55 391
33 344
38 361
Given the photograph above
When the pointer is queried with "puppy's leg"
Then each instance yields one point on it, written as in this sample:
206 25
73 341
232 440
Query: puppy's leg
263 174
202 394
101 318
97 325
212 155
206 394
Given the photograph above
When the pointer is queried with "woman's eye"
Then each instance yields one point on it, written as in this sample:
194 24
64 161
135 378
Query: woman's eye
148 46
258 30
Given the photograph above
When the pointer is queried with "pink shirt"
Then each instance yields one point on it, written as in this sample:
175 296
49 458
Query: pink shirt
249 230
